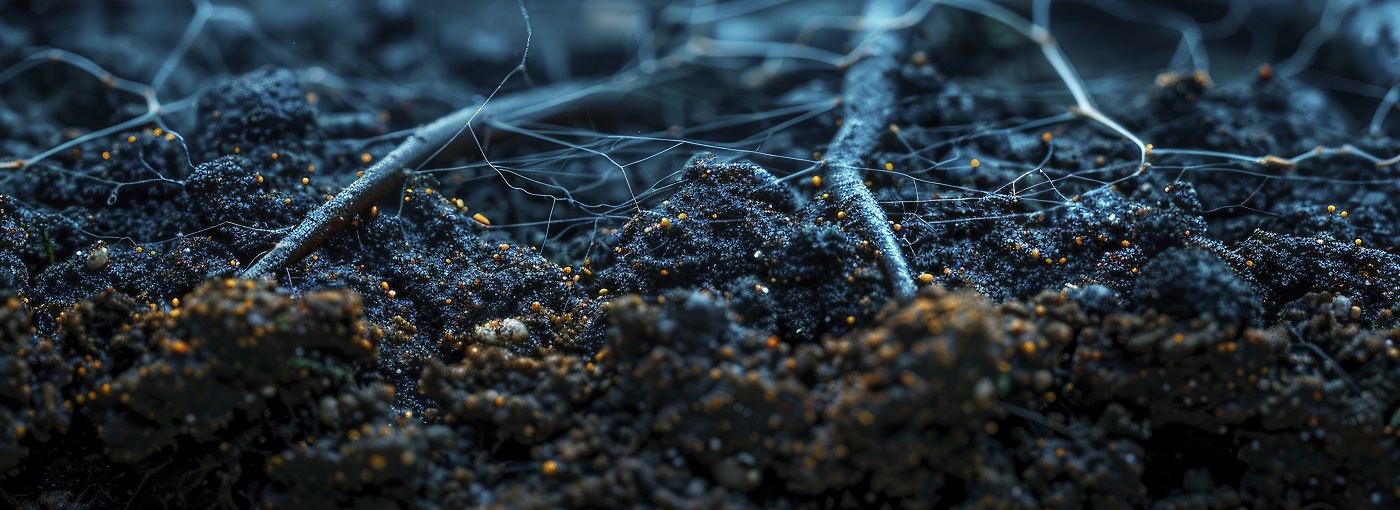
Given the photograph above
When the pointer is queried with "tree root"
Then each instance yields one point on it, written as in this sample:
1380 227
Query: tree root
868 93
389 173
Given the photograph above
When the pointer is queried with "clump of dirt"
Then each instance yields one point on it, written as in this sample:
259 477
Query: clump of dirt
551 314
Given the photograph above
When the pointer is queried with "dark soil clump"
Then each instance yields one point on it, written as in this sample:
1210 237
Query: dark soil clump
1152 253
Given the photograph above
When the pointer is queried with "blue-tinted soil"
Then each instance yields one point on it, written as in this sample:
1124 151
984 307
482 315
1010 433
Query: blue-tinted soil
1217 329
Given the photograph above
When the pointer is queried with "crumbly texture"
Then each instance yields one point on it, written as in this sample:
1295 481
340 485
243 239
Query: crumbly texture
713 328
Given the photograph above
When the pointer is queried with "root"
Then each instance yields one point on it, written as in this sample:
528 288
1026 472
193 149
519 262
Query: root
868 95
389 173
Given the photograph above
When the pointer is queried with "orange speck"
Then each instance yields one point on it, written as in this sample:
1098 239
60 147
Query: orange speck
481 219
1046 137
866 418
366 158
976 163
817 181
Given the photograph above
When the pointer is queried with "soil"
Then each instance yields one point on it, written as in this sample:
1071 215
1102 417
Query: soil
660 297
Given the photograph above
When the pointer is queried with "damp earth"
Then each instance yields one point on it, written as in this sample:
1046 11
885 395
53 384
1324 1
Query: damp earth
627 253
